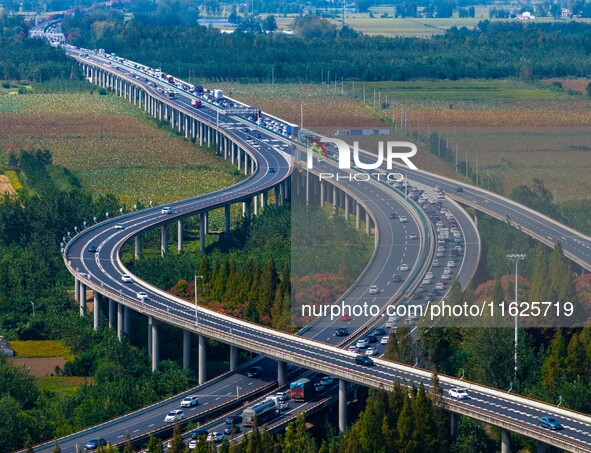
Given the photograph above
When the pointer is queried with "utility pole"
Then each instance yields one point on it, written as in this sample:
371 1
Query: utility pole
196 312
516 258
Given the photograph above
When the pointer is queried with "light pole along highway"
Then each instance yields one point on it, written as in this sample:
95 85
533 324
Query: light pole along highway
104 271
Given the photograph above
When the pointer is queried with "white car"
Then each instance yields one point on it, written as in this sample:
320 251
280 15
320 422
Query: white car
326 380
460 394
119 226
372 351
427 281
362 343
166 210
403 267
403 219
451 264
413 236
282 396
189 401
142 295
174 415
373 289
429 275
126 278
215 437
440 286
192 445
384 339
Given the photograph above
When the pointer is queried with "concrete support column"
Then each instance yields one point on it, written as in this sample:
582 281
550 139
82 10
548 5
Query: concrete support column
233 357
206 215
281 373
307 182
97 310
357 215
163 239
321 194
346 207
227 218
155 346
120 321
202 232
82 299
505 442
202 371
247 210
277 195
186 349
77 290
150 321
112 313
246 163
367 223
342 405
455 421
541 447
239 159
265 199
255 200
180 235
335 198
138 246
127 320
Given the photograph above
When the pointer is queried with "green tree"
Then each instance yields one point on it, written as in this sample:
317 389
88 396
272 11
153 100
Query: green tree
154 445
177 445
553 367
269 23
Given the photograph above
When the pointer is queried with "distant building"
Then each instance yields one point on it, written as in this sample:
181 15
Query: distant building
566 12
5 348
526 15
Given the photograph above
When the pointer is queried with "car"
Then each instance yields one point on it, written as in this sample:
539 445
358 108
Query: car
385 339
373 289
413 236
93 444
427 281
372 339
119 226
550 423
319 387
195 435
403 219
229 428
352 346
345 317
372 351
282 396
460 394
379 331
439 286
254 371
429 275
92 248
216 437
417 296
174 415
363 360
326 380
362 343
341 332
396 278
459 189
435 263
192 445
166 210
126 278
403 267
446 277
393 216
271 170
451 263
189 401
233 419
142 295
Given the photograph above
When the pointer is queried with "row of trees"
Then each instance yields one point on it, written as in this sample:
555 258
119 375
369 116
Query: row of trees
493 50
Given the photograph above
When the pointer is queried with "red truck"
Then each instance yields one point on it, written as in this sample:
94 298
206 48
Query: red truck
196 103
301 390
170 79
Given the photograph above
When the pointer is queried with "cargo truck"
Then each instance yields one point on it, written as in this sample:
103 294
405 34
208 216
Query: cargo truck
196 103
301 390
218 95
261 413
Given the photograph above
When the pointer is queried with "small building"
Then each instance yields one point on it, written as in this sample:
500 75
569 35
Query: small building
526 15
5 348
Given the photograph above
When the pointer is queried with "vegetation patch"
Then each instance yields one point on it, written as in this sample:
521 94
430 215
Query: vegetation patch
47 348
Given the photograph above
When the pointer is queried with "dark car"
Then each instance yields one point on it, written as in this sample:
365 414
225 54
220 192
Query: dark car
397 278
93 444
271 170
379 331
342 332
550 423
459 189
228 429
254 371
363 360
198 433
372 339
233 419
92 249
393 215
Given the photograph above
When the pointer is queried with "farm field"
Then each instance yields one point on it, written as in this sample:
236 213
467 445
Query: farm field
111 146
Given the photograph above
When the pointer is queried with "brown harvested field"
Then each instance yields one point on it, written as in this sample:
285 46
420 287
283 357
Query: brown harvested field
577 85
112 146
6 186
38 366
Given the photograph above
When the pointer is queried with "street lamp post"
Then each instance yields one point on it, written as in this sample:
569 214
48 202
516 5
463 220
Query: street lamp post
516 258
196 312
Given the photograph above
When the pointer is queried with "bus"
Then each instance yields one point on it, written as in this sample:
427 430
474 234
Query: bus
261 412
